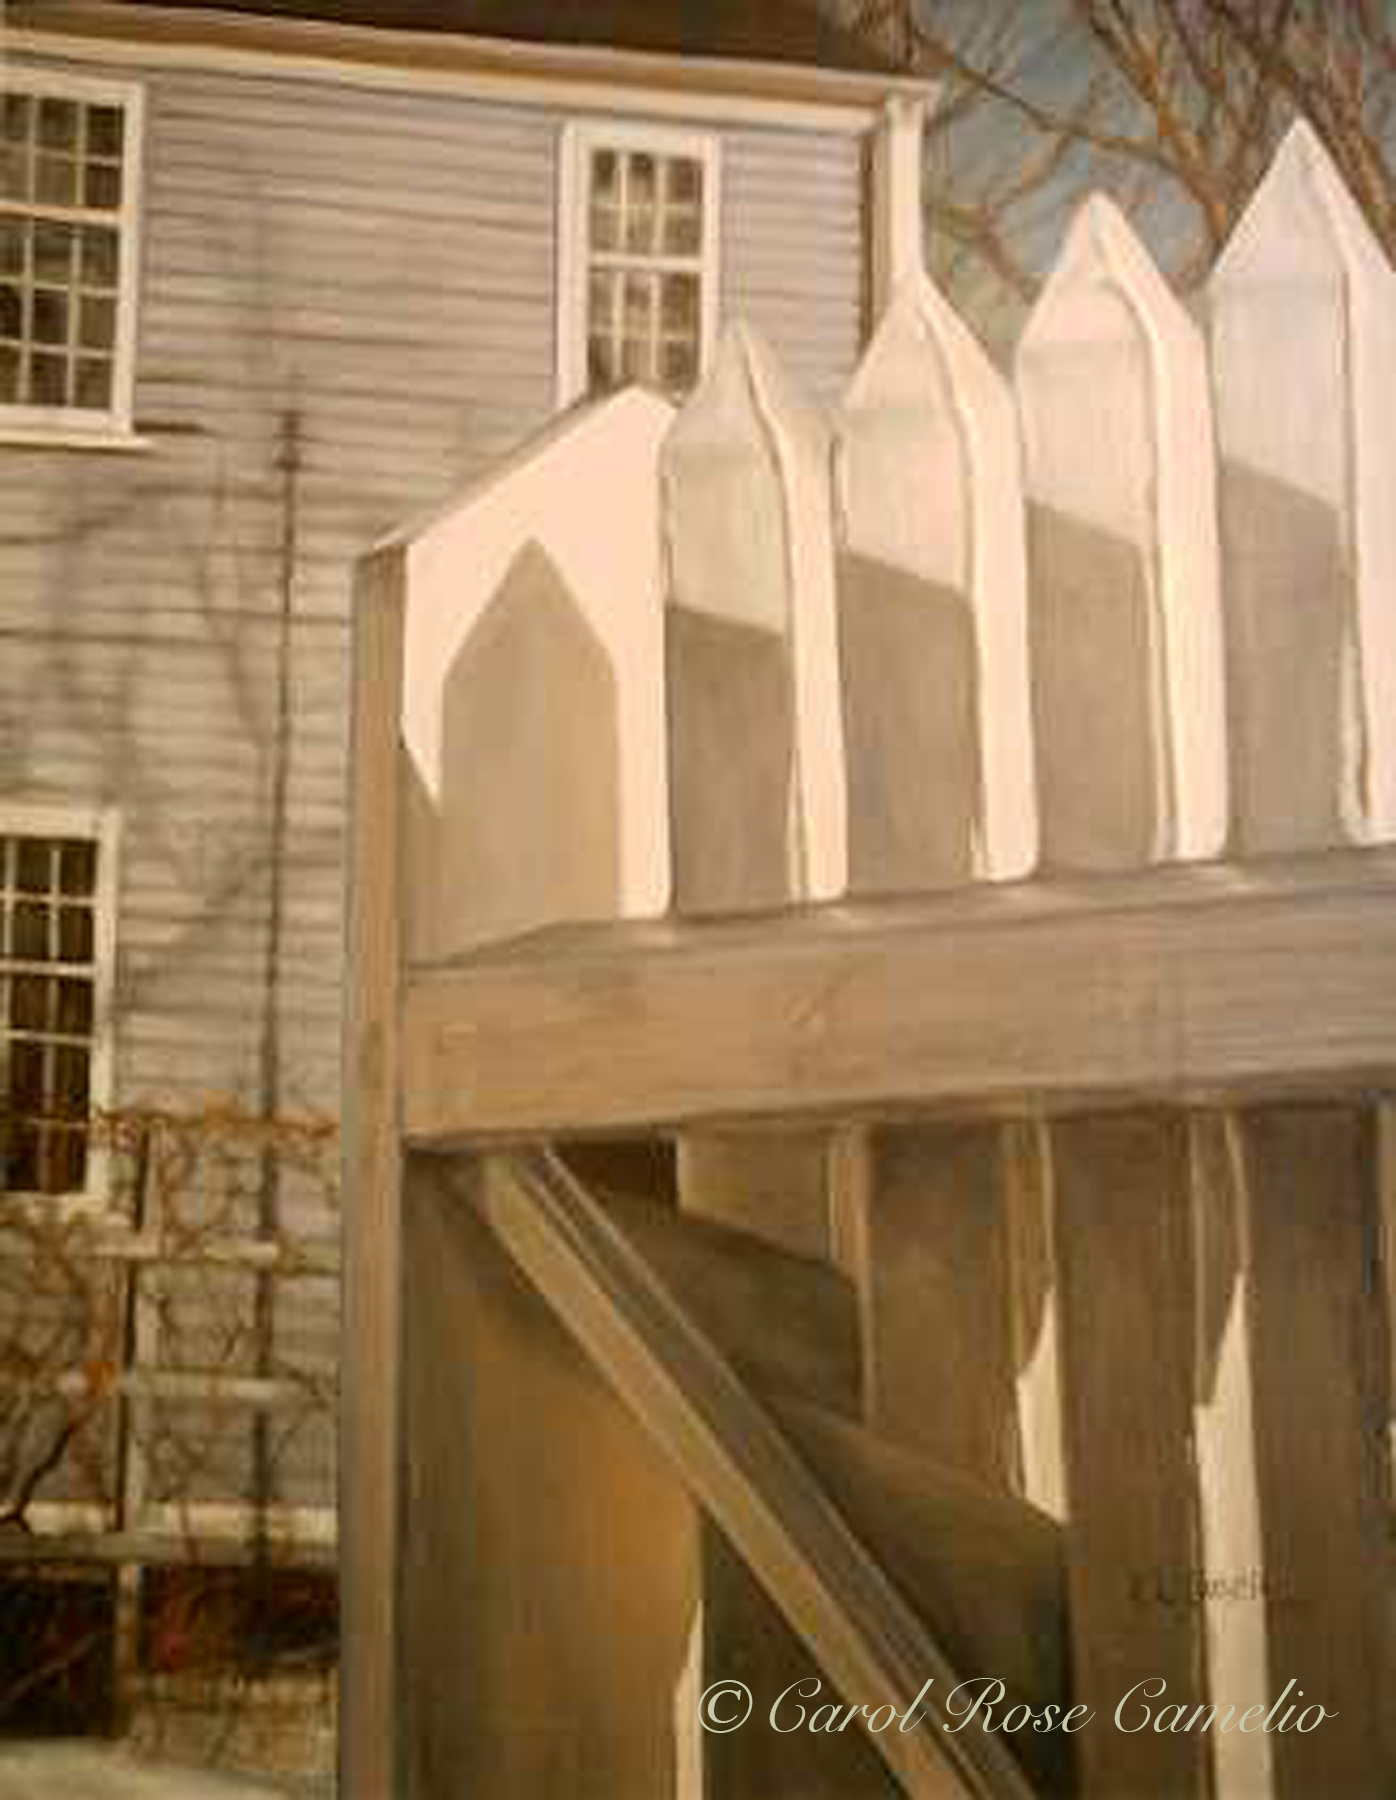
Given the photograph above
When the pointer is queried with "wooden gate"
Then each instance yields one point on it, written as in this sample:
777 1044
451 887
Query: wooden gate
872 1005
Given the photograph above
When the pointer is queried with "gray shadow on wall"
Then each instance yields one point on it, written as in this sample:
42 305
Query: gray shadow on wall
529 819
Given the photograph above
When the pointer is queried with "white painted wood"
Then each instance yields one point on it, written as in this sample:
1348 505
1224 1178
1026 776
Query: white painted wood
586 495
1112 382
898 222
929 483
1303 310
749 542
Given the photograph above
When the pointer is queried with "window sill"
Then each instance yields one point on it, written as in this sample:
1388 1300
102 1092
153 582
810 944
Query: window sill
60 437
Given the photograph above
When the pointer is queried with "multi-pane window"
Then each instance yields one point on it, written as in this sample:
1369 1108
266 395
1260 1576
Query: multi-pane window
55 918
640 252
67 252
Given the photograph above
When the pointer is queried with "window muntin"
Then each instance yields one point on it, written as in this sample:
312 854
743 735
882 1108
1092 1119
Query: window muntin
640 260
68 177
56 882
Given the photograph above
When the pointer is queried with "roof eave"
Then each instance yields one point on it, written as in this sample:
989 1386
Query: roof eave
368 48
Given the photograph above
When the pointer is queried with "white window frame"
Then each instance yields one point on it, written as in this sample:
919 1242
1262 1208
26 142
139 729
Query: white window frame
579 141
76 425
101 824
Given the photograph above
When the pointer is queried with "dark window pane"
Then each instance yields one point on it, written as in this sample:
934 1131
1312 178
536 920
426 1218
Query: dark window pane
30 932
635 360
77 867
682 305
27 1079
601 366
640 204
66 1162
48 380
71 1082
9 375
94 384
15 172
97 323
34 866
58 124
75 934
103 185
56 182
12 233
100 252
605 201
50 316
14 115
31 997
53 254
11 312
686 179
104 130
75 1008
680 367
22 1160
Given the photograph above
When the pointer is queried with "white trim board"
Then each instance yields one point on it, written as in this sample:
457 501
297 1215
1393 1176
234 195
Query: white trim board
561 77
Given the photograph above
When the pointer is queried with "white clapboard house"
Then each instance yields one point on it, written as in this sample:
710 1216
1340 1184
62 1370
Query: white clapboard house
272 279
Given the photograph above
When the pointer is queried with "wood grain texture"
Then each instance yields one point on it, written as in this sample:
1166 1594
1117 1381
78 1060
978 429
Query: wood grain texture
1124 1299
372 1186
1320 1399
1280 977
772 1508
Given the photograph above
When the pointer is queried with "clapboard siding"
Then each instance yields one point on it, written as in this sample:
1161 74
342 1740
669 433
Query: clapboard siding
793 224
372 276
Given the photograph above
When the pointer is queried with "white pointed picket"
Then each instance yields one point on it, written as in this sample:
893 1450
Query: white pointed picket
930 523
1123 556
756 737
1303 322
534 623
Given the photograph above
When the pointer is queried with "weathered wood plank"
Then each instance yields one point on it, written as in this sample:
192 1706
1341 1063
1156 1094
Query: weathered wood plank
370 1423
549 1551
934 1285
1125 1291
1320 1396
762 1495
1277 978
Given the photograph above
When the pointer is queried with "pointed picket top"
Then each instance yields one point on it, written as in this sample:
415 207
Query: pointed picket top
749 543
1118 440
1301 222
583 496
929 483
1303 316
